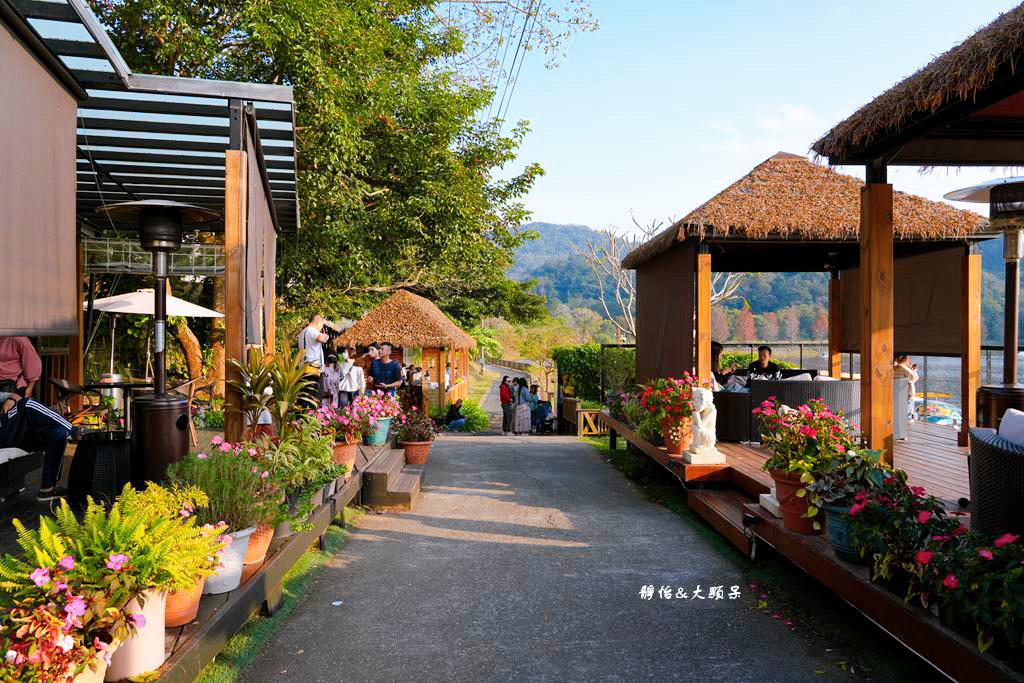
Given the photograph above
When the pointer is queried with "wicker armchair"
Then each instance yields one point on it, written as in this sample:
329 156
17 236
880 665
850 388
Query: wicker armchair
841 396
733 415
997 484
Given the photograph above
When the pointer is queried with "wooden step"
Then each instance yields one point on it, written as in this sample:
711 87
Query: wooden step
379 473
723 509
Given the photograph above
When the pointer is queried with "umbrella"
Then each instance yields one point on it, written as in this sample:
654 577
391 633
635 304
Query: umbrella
141 303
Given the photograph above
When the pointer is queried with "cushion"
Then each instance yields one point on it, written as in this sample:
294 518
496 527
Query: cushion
736 382
825 378
804 377
8 454
1011 427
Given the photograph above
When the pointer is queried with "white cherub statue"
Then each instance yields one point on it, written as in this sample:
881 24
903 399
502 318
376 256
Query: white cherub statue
705 417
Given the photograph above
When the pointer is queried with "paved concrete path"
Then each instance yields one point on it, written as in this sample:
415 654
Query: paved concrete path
524 560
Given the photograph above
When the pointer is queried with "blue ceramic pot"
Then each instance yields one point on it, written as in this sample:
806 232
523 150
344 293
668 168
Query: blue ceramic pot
380 436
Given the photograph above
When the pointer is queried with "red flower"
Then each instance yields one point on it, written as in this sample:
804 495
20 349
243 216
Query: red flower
857 507
917 490
924 556
950 581
986 553
1005 539
959 530
923 516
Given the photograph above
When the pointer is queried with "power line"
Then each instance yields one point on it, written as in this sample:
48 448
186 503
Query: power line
515 80
519 46
501 67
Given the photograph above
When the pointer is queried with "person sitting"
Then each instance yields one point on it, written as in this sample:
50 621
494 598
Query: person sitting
764 367
721 376
29 425
454 419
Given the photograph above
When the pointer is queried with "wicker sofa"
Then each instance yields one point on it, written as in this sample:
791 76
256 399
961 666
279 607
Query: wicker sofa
736 422
997 483
14 465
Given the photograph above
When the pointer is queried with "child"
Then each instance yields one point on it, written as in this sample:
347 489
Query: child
331 381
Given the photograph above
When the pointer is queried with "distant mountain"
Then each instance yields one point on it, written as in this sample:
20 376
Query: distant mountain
556 244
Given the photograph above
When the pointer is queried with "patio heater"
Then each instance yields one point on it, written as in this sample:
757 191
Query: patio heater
159 422
1005 198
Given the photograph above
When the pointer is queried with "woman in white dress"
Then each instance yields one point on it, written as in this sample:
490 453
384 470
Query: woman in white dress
902 367
352 381
523 413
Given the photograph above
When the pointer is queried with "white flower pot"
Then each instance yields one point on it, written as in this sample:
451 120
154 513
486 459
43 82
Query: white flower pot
143 652
229 574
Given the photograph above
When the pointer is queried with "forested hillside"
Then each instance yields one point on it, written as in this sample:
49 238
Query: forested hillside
768 305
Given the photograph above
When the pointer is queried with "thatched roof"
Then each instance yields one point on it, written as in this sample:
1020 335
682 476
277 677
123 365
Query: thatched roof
409 321
956 75
789 197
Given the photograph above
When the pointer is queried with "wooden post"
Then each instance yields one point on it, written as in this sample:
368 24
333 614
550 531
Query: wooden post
876 323
835 325
970 340
76 362
270 294
235 202
703 309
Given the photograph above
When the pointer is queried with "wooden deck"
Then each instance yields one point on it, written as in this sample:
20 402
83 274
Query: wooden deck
929 456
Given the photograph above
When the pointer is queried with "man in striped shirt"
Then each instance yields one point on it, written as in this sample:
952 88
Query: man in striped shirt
27 424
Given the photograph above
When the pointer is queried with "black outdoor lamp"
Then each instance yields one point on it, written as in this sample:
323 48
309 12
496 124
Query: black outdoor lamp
159 422
1005 198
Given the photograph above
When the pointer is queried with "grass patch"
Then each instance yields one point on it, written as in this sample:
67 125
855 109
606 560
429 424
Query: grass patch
245 646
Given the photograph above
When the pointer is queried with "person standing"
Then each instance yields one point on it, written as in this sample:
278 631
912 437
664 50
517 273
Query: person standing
20 367
29 425
365 361
311 341
331 382
902 367
507 406
386 373
522 408
353 381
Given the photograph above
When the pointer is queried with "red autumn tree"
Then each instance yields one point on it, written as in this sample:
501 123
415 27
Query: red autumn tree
819 328
770 326
746 328
791 324
719 323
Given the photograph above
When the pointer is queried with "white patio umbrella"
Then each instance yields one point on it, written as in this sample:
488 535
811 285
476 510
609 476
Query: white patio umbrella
141 303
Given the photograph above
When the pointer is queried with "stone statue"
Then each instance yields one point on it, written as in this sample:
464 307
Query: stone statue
705 417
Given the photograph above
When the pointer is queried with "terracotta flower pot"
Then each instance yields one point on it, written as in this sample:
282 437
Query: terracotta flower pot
183 606
144 651
680 446
97 674
792 506
345 454
259 543
416 452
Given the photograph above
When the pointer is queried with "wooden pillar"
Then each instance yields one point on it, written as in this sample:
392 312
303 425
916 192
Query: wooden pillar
835 325
876 322
76 361
235 202
703 308
970 340
270 292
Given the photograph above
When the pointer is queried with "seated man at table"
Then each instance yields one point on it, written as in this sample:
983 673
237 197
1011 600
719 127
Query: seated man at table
764 367
29 425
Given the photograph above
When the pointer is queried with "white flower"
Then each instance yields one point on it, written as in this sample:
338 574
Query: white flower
11 655
65 642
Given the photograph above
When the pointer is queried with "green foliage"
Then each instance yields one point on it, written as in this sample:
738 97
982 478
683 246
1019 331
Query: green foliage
253 384
580 368
238 494
477 419
415 425
618 367
487 344
741 359
213 419
289 384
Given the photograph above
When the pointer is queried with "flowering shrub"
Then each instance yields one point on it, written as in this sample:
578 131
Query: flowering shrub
804 441
850 473
416 426
670 397
372 407
344 423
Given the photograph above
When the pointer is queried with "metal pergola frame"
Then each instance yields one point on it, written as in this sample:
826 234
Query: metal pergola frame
161 137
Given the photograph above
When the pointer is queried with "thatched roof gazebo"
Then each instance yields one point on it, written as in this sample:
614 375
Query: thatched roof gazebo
791 215
409 321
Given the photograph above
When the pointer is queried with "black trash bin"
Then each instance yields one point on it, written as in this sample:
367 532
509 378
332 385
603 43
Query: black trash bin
159 435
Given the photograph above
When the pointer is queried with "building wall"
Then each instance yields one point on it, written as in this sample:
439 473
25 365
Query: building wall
37 197
664 313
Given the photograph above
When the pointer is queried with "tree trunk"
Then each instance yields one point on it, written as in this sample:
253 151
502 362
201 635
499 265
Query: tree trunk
189 346
219 366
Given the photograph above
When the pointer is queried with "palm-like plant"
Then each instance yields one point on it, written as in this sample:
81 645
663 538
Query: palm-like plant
253 385
290 385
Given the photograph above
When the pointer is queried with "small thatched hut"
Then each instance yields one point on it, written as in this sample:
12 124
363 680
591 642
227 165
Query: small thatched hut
791 215
410 321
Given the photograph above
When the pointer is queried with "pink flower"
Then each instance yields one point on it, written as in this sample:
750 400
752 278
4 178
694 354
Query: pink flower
76 607
1005 539
950 581
252 452
65 642
202 456
225 447
923 516
857 507
924 556
117 562
917 490
255 469
959 530
226 539
139 620
40 576
986 553
67 562
217 440
841 448
265 474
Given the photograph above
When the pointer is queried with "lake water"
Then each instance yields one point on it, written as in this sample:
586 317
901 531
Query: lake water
942 375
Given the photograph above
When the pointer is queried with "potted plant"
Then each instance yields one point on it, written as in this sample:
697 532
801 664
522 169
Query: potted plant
416 433
253 386
239 499
804 443
670 401
347 433
850 476
375 411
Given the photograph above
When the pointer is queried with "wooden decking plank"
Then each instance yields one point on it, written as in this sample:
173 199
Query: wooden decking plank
722 509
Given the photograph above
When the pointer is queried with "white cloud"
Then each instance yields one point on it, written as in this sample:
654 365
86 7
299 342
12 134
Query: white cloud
785 117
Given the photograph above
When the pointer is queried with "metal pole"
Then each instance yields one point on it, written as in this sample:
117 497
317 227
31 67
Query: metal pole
988 366
1011 254
159 320
924 376
801 354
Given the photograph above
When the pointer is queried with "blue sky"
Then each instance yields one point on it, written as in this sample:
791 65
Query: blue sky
670 102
